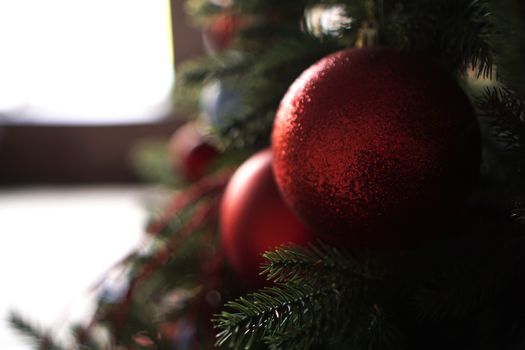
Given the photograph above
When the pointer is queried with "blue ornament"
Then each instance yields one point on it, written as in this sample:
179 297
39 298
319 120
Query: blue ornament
218 103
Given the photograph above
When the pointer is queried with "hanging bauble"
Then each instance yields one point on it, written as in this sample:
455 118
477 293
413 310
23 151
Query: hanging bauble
190 152
218 102
375 148
219 34
254 218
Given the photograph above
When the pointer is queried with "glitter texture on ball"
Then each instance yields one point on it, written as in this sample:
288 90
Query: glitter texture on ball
375 148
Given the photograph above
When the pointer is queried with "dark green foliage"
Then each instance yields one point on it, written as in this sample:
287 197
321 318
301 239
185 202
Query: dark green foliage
506 109
321 299
266 58
40 338
266 83
203 9
290 263
509 16
325 296
456 34
274 312
261 81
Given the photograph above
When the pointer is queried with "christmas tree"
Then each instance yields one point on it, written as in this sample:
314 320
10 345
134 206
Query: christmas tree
373 151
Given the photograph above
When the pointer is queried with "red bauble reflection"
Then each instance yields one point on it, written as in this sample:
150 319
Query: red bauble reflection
190 153
254 218
375 148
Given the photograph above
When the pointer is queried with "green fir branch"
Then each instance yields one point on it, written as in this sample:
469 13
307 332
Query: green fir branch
320 290
510 20
276 310
456 34
369 328
264 85
292 263
506 110
39 338
221 66
292 339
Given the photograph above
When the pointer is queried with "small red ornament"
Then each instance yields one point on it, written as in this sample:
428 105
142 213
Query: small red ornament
219 34
254 218
190 153
375 148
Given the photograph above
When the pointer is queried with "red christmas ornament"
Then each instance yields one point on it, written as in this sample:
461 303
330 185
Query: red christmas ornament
375 148
219 34
254 218
190 153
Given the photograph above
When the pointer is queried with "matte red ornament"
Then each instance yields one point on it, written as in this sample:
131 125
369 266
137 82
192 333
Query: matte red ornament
255 219
375 148
219 35
190 153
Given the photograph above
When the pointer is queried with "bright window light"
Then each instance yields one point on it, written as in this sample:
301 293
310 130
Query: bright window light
84 61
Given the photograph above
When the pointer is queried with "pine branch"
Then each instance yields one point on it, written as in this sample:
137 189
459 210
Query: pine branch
457 34
372 329
320 291
262 87
39 338
291 339
221 66
276 310
509 18
296 263
506 109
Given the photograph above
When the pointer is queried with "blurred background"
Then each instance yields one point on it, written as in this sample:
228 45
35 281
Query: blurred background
83 84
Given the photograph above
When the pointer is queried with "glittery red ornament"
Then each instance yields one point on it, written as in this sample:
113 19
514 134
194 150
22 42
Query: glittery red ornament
254 218
375 148
190 153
